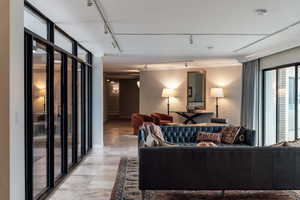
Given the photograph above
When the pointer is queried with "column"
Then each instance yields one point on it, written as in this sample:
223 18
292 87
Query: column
12 173
97 102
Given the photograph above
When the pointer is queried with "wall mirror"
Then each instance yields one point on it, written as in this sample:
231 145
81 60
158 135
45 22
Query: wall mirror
196 90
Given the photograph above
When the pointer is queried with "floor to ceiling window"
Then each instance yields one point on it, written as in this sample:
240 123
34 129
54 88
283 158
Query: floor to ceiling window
281 99
57 104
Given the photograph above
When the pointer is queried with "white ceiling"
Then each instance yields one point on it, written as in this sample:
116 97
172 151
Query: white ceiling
152 32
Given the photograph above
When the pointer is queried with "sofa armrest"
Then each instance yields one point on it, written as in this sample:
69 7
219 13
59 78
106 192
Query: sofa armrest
147 118
165 117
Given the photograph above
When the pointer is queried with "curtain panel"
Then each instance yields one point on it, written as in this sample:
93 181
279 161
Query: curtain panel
250 95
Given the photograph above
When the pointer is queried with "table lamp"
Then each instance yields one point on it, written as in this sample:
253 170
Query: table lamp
217 93
167 93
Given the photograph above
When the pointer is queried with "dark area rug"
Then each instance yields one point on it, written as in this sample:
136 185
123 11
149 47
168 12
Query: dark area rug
126 188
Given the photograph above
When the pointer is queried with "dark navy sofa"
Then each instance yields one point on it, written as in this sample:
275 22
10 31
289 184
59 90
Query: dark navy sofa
215 168
187 134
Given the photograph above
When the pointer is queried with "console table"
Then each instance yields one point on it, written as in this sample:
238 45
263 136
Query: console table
190 116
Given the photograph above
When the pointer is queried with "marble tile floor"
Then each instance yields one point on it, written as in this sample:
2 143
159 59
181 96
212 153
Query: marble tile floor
94 178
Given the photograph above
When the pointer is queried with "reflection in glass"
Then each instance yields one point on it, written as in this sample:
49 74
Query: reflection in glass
70 111
286 104
82 54
298 102
62 41
79 108
35 23
39 102
57 115
86 109
270 107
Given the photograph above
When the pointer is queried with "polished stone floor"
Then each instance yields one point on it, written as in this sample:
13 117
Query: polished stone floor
93 179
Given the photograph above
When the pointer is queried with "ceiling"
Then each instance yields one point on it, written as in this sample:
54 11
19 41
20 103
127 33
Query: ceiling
156 31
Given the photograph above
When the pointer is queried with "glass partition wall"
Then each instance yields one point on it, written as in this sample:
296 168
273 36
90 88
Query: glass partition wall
58 103
281 104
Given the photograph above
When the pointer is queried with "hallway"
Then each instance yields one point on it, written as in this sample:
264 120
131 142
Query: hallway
94 178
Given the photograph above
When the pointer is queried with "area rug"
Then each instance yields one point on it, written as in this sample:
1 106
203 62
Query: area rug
126 188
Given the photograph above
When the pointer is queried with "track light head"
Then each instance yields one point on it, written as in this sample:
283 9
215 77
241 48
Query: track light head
191 39
105 29
114 45
186 64
89 3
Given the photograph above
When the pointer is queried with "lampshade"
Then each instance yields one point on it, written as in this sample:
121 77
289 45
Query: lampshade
167 92
216 92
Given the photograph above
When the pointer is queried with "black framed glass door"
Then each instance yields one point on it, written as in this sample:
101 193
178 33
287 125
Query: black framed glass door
40 131
58 127
280 104
56 104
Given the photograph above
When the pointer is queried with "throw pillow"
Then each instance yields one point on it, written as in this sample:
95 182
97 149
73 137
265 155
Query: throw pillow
154 136
280 144
241 136
295 143
206 144
209 137
229 134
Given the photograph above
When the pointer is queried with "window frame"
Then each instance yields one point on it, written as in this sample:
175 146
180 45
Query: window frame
49 42
296 85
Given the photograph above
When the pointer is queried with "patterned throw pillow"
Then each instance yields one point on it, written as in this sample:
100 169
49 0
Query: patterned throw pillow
206 144
229 134
209 137
241 136
295 143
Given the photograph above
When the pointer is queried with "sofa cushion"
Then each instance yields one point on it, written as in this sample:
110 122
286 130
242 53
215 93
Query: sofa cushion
229 134
209 137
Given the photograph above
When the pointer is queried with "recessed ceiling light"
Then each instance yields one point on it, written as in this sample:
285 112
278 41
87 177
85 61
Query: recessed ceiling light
261 11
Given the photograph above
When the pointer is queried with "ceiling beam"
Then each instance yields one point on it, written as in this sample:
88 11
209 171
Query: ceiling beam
268 36
188 34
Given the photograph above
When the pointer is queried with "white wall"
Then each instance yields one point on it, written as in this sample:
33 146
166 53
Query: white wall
152 83
97 124
12 173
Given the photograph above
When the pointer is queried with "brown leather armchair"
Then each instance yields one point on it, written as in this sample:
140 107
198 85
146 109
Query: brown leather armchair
161 119
137 120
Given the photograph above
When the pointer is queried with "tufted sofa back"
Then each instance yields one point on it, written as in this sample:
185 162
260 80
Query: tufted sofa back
186 134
